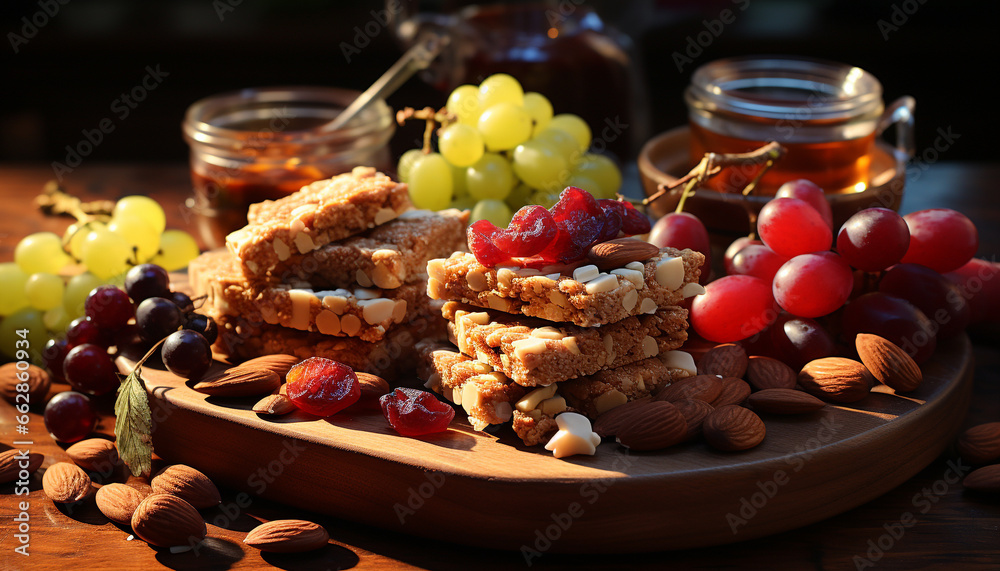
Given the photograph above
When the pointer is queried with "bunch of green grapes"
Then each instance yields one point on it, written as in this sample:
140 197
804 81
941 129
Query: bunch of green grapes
506 150
37 296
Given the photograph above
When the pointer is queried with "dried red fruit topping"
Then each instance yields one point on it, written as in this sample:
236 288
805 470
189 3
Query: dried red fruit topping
412 412
580 221
614 218
322 387
635 222
529 231
480 235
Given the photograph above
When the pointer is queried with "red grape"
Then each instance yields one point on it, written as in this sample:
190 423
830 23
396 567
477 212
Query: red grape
412 412
790 227
941 239
82 330
757 260
810 192
978 281
108 307
186 354
733 308
89 369
932 293
733 249
53 357
69 416
811 285
682 230
873 239
895 319
798 340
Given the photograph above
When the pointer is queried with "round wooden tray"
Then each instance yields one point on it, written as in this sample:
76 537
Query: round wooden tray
473 488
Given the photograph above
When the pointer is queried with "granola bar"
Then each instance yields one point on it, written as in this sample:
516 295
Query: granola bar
588 298
534 352
360 312
386 256
319 213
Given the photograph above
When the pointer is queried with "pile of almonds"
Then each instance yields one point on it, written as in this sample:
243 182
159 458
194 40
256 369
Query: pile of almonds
980 445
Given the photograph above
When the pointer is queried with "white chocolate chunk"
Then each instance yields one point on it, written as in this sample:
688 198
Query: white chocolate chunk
575 436
552 406
417 214
637 266
553 277
361 293
436 289
399 311
631 275
630 299
606 282
647 306
670 272
479 317
609 400
680 360
505 276
558 298
384 278
531 400
335 303
363 278
526 272
471 397
496 302
376 310
649 347
301 300
584 274
692 289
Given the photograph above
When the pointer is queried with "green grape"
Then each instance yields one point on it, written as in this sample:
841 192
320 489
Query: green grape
603 171
44 291
540 165
37 335
41 252
177 248
496 211
490 177
546 199
540 110
459 182
562 141
12 280
520 196
76 235
105 253
504 126
464 103
430 182
464 203
405 164
585 183
575 126
500 88
76 292
143 208
57 319
142 239
461 145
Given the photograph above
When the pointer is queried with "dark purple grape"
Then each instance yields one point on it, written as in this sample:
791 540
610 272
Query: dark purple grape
109 307
932 293
83 330
203 324
53 357
157 317
89 369
69 416
187 354
896 319
182 300
145 281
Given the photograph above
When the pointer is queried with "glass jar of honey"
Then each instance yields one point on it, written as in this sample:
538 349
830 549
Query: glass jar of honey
261 144
825 114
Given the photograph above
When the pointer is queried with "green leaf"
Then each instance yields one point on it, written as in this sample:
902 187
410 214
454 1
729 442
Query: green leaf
134 424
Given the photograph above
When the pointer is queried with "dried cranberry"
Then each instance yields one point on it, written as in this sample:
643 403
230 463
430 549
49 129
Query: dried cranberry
412 412
580 221
614 217
635 222
480 235
531 229
322 387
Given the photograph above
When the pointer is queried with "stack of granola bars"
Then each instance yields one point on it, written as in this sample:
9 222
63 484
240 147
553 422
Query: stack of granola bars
334 270
528 344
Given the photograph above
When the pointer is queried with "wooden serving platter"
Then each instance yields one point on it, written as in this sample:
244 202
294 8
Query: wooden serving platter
473 488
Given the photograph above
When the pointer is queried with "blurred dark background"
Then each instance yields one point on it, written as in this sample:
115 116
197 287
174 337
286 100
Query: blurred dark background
66 63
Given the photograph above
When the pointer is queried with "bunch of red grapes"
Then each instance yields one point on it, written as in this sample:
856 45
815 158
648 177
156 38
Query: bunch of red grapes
799 288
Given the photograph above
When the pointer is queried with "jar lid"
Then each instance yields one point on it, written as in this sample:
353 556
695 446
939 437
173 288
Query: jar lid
782 87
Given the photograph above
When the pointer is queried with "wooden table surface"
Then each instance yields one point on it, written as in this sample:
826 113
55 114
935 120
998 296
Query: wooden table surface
949 528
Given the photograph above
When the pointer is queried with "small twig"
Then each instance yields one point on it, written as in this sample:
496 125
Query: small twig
433 118
55 201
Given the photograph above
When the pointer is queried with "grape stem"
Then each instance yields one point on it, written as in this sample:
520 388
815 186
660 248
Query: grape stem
55 201
714 163
433 119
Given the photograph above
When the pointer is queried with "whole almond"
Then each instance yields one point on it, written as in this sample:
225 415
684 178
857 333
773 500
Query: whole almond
985 479
240 382
616 253
732 428
784 401
165 520
287 536
14 377
767 373
95 454
13 462
278 364
610 422
655 426
701 387
118 502
980 444
64 483
372 389
734 391
888 363
695 411
187 483
728 360
274 405
836 379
